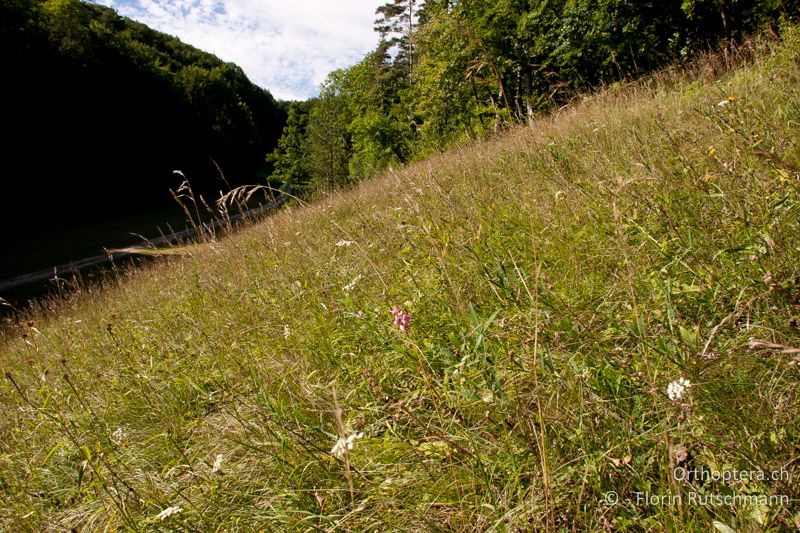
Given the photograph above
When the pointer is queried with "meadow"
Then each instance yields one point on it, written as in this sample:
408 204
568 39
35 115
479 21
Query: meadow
536 332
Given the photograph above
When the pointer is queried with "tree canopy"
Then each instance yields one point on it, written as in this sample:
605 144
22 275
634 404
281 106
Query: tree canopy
448 70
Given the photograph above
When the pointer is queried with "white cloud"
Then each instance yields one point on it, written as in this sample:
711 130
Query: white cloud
285 46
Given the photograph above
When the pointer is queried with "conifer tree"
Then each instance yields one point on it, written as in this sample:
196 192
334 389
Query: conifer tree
395 25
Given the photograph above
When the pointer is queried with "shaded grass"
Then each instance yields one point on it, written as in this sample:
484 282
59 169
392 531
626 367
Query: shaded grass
558 277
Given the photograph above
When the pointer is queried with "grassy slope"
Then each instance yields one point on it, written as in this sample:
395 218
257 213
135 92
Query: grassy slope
558 278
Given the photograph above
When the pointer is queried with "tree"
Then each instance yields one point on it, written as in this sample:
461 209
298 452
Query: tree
396 27
328 141
289 158
444 99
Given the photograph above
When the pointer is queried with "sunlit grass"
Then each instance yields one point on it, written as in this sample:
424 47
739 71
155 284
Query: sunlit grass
555 280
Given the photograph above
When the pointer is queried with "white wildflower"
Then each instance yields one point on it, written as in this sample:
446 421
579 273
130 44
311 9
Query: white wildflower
169 511
460 366
217 462
344 243
724 103
286 331
350 286
345 444
118 436
676 389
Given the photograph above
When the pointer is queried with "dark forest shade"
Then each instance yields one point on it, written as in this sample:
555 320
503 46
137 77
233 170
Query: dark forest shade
97 110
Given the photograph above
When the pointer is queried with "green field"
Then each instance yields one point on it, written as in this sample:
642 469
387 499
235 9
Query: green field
558 279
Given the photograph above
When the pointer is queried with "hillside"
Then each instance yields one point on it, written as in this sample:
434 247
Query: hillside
553 291
98 110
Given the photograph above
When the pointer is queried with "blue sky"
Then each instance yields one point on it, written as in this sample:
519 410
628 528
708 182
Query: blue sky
285 46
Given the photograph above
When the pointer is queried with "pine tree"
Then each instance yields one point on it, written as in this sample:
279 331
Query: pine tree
396 27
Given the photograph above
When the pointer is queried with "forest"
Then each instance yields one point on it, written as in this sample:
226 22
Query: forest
98 110
446 71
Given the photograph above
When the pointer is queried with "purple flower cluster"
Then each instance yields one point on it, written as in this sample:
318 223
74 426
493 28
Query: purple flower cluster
401 319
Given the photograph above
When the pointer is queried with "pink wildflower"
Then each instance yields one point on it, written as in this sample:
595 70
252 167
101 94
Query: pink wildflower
401 319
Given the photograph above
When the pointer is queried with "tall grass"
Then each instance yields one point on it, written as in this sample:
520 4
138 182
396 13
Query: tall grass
557 280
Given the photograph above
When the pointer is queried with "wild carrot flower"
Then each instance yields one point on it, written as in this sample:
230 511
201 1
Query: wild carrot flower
169 511
345 444
401 319
676 389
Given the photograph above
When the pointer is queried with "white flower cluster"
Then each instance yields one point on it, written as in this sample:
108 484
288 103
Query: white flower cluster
460 366
169 511
345 444
344 244
352 285
217 463
118 437
676 389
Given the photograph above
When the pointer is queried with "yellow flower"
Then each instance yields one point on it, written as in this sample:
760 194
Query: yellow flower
712 151
707 178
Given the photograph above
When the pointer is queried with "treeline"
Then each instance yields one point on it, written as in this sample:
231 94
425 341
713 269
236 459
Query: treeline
98 110
447 70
